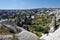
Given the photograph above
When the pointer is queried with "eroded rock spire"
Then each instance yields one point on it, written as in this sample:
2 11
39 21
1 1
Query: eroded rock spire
53 24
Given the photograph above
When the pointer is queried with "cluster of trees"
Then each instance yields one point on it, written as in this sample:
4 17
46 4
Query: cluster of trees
27 21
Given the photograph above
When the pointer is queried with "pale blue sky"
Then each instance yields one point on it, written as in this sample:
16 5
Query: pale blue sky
27 4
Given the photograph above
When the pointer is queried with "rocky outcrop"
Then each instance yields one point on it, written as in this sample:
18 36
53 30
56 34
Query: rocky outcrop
56 13
25 35
55 35
21 35
52 36
53 24
6 37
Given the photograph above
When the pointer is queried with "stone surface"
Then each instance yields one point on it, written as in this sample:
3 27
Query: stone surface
55 35
56 13
52 35
6 37
53 24
25 35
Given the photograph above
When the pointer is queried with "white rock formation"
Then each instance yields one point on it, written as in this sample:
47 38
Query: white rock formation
22 35
53 34
25 35
53 24
56 13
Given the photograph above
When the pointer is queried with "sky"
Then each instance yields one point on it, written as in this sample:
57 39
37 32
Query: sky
29 4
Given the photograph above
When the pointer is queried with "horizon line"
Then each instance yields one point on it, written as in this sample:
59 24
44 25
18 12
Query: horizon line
20 8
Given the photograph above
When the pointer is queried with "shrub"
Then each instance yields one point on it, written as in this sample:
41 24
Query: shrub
38 34
40 28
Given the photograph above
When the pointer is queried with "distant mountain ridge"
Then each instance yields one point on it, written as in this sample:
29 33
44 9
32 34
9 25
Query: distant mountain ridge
5 13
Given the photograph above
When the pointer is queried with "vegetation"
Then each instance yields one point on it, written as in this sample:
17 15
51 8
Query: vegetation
40 28
40 25
58 22
4 31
